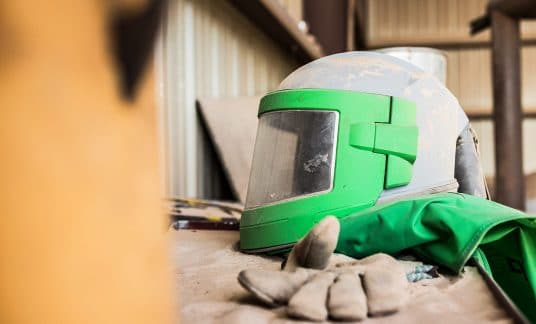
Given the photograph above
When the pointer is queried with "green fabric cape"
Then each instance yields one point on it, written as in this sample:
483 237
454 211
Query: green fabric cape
448 229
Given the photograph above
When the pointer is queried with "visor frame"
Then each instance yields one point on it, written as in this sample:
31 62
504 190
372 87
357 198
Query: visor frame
273 226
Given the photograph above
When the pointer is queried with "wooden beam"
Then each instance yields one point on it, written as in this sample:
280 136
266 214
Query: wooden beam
275 21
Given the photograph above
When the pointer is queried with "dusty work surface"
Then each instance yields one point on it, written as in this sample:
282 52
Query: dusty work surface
206 264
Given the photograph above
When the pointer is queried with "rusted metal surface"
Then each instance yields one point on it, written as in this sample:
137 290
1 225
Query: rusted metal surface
328 22
272 18
507 110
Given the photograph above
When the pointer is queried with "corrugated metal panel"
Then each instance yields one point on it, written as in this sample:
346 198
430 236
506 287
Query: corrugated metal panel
208 49
428 21
421 20
484 128
469 78
469 69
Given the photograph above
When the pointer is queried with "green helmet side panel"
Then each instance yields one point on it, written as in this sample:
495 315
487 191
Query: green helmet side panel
376 146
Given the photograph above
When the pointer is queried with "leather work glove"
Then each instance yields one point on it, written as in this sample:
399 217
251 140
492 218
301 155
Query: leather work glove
314 291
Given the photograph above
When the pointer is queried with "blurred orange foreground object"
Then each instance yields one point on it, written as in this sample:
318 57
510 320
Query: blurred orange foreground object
82 231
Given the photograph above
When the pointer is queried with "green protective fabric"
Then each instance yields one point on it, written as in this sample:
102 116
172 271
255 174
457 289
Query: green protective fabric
448 229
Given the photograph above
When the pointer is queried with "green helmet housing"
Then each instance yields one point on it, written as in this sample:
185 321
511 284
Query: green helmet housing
344 133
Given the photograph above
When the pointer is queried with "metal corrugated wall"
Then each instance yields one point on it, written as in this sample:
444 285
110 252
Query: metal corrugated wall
469 68
484 129
207 49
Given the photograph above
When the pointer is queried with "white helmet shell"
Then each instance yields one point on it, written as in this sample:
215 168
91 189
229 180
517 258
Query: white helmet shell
440 118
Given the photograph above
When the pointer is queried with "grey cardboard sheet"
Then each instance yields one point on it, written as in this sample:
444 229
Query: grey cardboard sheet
232 127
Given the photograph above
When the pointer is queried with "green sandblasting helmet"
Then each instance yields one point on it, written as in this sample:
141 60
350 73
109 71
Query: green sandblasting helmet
344 133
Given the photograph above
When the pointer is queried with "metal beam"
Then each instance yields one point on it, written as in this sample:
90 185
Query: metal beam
328 22
489 115
519 9
510 182
361 24
350 25
272 18
444 44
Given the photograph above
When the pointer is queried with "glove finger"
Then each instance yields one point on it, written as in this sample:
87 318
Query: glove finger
309 302
386 289
273 287
314 250
347 300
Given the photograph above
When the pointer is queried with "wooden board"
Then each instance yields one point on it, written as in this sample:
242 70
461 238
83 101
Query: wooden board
232 127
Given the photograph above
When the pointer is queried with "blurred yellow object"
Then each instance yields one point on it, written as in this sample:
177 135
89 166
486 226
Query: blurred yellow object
82 231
